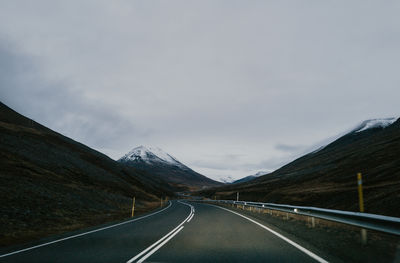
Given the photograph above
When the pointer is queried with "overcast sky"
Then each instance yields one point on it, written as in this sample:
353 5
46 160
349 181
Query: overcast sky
227 87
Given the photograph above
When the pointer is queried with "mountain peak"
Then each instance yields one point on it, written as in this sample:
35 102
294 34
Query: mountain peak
150 154
164 166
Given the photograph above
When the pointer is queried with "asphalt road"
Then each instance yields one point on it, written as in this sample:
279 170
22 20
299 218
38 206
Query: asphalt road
182 232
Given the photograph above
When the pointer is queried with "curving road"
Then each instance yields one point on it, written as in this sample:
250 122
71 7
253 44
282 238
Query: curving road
181 232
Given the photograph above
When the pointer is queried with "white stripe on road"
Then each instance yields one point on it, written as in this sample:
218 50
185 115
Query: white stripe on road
190 218
306 251
82 234
159 246
155 244
162 241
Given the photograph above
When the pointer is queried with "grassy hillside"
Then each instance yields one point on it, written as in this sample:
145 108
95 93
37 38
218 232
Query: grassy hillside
50 184
327 178
177 178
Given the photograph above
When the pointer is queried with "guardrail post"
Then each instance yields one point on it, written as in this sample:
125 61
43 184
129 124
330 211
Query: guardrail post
363 236
312 222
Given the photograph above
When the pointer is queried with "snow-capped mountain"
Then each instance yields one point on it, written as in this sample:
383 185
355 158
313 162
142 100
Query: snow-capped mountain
151 155
165 167
380 123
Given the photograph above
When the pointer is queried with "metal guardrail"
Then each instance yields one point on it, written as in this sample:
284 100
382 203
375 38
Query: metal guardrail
381 223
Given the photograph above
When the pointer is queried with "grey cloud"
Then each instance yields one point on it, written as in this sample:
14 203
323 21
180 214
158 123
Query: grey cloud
59 107
267 164
289 148
219 162
218 84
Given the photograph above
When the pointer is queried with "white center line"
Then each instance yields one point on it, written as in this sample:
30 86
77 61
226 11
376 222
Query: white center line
162 241
159 246
190 218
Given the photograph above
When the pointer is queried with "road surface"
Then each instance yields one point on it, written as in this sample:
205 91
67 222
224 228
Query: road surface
181 232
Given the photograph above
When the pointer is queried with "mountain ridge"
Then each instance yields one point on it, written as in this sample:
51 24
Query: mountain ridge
327 178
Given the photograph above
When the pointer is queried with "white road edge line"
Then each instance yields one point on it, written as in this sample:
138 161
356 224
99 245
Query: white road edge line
304 250
82 234
170 234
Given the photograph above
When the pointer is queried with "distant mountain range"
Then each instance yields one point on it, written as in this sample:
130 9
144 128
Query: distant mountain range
230 180
167 168
249 177
327 177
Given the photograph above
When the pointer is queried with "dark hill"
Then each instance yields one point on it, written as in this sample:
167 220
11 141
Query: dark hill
50 183
327 178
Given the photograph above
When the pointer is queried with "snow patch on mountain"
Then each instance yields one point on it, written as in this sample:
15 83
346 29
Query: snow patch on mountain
226 180
375 123
258 174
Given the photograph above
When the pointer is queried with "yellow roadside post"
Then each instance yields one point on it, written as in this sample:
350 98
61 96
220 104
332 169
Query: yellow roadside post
133 207
360 192
361 203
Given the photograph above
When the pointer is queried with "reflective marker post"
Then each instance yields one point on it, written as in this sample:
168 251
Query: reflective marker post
360 192
361 203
